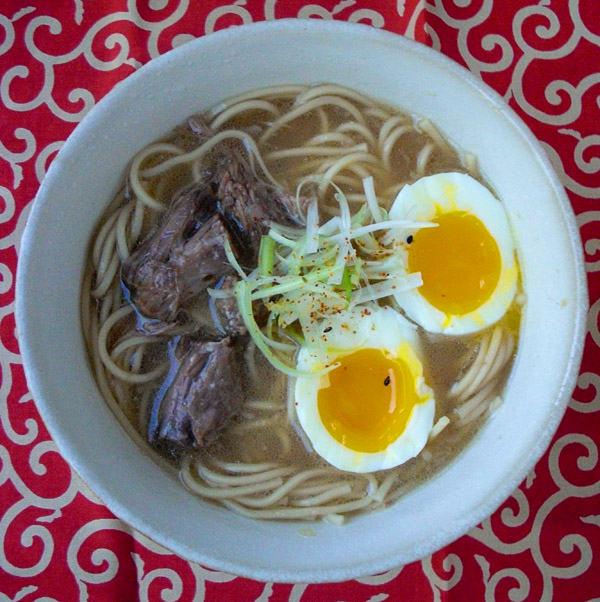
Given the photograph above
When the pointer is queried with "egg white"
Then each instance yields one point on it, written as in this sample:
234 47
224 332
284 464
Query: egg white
447 192
383 329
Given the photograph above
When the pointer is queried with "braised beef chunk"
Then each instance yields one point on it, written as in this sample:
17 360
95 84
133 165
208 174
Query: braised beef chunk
186 254
224 310
252 203
203 393
183 257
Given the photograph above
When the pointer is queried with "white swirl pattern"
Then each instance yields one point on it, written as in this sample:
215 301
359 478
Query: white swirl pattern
50 522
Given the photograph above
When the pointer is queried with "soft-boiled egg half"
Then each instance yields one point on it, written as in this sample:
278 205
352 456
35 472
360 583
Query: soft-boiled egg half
467 261
374 410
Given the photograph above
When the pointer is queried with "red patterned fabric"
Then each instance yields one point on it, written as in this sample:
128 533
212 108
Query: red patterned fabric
57 59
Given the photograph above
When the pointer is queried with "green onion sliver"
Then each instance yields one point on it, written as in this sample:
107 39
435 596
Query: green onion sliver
266 256
387 288
387 225
281 239
232 259
316 275
369 188
244 301
312 228
347 284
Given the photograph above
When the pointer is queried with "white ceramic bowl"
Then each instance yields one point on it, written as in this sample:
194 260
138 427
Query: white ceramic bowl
83 177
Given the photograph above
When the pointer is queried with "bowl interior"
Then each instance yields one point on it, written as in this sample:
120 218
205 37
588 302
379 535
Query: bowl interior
196 76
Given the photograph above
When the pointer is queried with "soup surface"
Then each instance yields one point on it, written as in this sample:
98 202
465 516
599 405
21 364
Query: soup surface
303 301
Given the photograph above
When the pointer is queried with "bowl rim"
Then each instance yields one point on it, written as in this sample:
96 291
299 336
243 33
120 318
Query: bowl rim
227 37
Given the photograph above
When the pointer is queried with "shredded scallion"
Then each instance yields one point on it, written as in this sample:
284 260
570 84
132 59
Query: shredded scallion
266 256
307 275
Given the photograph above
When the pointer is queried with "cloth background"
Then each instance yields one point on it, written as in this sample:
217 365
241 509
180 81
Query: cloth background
57 59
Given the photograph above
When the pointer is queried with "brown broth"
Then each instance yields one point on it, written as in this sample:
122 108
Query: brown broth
444 357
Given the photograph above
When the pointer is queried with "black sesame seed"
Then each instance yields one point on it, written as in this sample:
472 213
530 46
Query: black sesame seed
328 329
386 382
409 239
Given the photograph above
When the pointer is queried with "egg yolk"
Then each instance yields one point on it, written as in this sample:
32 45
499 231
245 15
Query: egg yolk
369 400
459 262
